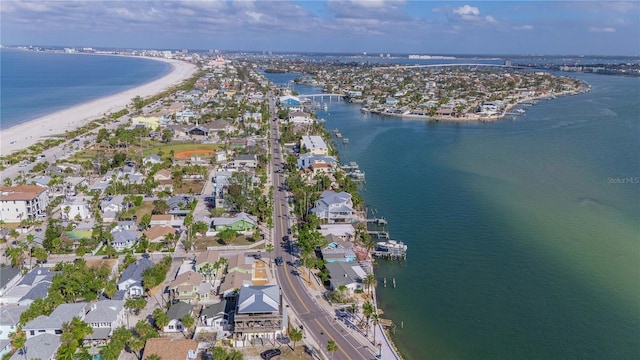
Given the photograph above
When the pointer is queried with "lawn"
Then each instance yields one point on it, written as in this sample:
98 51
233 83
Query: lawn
202 242
145 208
181 148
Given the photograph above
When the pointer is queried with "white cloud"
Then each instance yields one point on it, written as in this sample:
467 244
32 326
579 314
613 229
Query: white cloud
602 29
523 27
490 19
467 10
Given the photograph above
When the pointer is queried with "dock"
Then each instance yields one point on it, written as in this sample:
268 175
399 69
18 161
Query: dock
378 221
391 249
379 234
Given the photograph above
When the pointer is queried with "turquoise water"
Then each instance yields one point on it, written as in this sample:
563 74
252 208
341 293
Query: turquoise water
523 235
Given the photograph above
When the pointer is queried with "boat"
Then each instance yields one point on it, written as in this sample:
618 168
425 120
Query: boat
392 247
520 111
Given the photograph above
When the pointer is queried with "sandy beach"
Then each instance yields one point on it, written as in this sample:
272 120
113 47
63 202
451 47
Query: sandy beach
26 134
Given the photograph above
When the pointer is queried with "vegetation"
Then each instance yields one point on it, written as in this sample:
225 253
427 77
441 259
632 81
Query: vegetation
155 275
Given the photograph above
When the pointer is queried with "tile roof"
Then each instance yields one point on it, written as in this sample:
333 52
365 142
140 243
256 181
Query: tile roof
20 193
174 349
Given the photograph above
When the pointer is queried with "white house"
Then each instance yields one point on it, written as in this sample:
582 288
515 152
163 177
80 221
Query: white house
215 316
300 118
175 314
104 317
131 278
52 324
9 319
314 145
124 239
335 207
76 207
22 202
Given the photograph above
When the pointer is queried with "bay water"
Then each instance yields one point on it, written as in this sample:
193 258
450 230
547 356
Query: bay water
523 234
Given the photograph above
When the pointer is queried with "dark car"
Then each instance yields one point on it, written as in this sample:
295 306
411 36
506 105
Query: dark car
268 354
279 260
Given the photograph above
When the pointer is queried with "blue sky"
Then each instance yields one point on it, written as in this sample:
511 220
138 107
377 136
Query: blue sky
576 27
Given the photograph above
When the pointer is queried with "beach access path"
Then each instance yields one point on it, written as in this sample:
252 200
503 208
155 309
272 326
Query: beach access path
23 135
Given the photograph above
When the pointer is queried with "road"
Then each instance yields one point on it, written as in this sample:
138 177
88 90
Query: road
317 322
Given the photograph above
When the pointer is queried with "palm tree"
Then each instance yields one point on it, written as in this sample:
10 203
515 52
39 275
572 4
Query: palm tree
295 334
370 282
368 310
332 347
270 249
375 320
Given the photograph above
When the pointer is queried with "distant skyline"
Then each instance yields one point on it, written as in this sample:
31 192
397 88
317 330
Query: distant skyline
577 27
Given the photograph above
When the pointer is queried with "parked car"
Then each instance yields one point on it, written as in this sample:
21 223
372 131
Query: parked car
268 354
279 260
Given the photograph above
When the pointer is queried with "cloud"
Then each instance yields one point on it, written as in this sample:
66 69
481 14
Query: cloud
523 27
470 14
602 29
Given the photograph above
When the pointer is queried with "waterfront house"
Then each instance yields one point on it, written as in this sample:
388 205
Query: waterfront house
343 231
43 346
348 274
314 145
52 324
259 318
185 286
174 349
22 202
300 118
308 159
335 207
175 314
131 277
338 250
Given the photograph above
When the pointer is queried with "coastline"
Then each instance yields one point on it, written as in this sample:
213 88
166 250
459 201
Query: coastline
15 137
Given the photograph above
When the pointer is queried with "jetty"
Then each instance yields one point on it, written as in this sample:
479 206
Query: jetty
377 221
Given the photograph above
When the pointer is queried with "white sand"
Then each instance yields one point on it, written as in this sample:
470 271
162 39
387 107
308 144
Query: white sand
26 134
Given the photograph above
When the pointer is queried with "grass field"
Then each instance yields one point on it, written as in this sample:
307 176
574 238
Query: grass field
182 148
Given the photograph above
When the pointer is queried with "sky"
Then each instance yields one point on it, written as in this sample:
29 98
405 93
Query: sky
571 27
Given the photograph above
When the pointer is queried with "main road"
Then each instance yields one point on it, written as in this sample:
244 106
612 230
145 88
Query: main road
317 323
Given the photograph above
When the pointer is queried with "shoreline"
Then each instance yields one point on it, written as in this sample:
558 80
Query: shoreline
55 124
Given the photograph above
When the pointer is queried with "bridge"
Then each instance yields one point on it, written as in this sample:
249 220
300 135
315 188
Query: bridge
448 65
322 97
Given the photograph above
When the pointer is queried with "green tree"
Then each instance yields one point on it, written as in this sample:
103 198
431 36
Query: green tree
40 254
370 282
269 249
111 289
187 322
160 319
18 341
135 305
136 344
332 347
368 310
295 335
145 221
227 235
375 320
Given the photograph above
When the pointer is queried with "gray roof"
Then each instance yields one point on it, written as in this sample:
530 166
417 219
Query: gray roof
34 285
104 311
43 346
215 311
342 273
124 236
135 270
245 157
178 310
231 220
7 273
62 314
259 299
10 314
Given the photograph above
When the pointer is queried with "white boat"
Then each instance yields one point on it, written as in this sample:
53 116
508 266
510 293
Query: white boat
520 111
391 246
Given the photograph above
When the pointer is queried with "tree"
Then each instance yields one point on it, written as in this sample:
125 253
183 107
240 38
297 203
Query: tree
19 340
370 282
136 344
368 310
269 249
375 319
135 305
145 221
167 135
111 289
295 335
160 319
154 357
187 322
332 347
17 256
40 254
227 235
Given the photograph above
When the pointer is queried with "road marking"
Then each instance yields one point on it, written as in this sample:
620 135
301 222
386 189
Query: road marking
326 332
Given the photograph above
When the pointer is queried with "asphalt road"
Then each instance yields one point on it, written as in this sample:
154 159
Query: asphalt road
317 322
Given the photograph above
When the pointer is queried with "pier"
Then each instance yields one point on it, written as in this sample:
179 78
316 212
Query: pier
377 221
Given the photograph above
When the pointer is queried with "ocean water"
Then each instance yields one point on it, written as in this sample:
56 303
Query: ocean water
523 235
34 84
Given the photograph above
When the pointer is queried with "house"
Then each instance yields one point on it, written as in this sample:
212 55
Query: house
157 233
104 317
300 118
152 159
335 207
174 349
151 122
241 161
111 207
347 274
75 208
22 202
161 219
289 100
123 239
175 314
185 115
9 319
308 159
34 285
52 324
43 347
343 231
259 317
185 286
131 278
9 276
314 144
216 316
220 156
162 174
241 222
338 250
206 258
